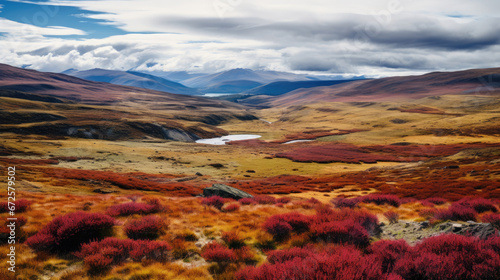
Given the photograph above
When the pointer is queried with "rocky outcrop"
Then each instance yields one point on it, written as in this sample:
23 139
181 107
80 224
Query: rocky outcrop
225 191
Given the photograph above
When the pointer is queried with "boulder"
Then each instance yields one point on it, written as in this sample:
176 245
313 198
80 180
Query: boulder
225 191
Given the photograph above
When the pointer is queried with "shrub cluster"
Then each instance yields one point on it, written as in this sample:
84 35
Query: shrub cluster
216 252
67 233
20 206
280 226
147 227
480 205
441 257
456 212
100 255
215 201
131 208
344 226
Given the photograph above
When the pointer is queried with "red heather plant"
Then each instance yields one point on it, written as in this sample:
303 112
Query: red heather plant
150 250
67 233
281 256
341 264
449 256
247 201
342 202
364 218
493 219
20 206
100 255
264 199
480 205
148 227
216 252
131 208
215 201
391 216
343 232
456 213
434 201
388 252
279 229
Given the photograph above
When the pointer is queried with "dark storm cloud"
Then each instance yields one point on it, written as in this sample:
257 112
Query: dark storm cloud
397 32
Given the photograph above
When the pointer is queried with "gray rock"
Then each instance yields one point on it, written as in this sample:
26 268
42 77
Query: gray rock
225 191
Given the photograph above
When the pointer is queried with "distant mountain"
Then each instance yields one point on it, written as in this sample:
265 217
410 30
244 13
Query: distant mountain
33 85
176 76
475 81
282 87
131 78
259 76
236 86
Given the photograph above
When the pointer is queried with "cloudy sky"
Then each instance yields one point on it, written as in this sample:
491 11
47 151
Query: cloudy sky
369 37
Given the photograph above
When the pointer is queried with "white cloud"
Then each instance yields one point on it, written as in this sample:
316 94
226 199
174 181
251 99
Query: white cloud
22 29
377 37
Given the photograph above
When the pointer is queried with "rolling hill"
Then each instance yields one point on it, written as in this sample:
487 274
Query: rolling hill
58 105
475 81
132 78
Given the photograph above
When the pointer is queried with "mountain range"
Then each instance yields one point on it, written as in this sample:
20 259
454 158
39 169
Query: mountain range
132 78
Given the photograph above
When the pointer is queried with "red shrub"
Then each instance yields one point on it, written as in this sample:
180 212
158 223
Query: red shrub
233 240
232 207
342 202
388 252
493 219
450 256
361 217
114 251
456 213
281 256
148 227
480 205
118 249
247 201
216 252
344 232
381 199
67 233
98 263
392 216
434 200
279 229
264 199
341 264
215 201
131 208
150 250
20 206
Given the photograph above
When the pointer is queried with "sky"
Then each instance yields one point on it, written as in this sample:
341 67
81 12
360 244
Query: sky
357 37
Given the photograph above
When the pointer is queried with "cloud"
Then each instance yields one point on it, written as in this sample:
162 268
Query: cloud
22 29
377 37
